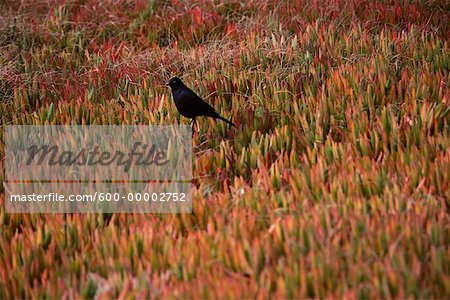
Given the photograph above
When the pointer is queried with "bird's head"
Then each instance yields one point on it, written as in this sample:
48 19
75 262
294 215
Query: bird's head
175 83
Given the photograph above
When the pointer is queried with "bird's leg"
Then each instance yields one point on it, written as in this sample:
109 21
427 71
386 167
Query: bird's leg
193 125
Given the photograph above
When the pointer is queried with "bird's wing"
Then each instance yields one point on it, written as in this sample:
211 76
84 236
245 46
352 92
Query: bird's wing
198 104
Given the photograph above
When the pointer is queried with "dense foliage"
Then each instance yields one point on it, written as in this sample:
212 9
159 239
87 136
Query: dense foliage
335 183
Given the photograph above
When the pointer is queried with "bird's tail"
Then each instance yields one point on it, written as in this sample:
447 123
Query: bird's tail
225 120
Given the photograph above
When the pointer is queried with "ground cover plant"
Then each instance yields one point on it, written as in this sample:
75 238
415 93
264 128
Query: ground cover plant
335 183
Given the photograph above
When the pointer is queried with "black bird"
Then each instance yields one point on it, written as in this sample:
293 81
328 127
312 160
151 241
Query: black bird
190 105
